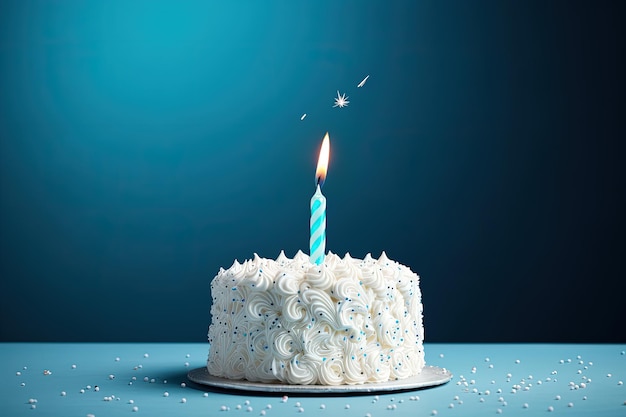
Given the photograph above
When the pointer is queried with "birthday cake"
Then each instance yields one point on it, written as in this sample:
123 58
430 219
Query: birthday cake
345 321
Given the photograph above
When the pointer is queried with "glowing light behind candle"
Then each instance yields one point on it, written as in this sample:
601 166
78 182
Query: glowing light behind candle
317 241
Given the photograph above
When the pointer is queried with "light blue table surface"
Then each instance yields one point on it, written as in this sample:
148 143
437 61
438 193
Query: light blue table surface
573 379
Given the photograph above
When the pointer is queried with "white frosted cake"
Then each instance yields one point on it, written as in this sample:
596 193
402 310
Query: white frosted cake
347 321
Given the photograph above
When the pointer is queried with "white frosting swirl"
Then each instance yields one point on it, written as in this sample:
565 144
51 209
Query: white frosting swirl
347 321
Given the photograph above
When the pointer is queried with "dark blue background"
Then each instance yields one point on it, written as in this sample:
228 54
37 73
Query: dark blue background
145 144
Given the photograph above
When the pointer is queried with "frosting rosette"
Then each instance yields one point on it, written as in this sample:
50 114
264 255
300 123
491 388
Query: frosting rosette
346 321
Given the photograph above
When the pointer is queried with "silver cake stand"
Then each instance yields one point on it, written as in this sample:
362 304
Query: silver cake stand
429 377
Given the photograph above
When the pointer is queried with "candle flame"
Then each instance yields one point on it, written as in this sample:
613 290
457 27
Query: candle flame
322 162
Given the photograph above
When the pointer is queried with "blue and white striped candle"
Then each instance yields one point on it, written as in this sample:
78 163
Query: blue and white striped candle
317 241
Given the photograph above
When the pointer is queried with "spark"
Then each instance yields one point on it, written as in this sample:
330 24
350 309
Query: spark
362 83
341 100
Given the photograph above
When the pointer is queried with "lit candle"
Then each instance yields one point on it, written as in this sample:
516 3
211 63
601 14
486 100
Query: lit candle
317 242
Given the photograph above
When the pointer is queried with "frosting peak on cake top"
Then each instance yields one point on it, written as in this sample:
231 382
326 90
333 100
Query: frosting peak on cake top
302 258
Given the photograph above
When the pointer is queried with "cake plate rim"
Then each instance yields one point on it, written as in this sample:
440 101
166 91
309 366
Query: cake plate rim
429 377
